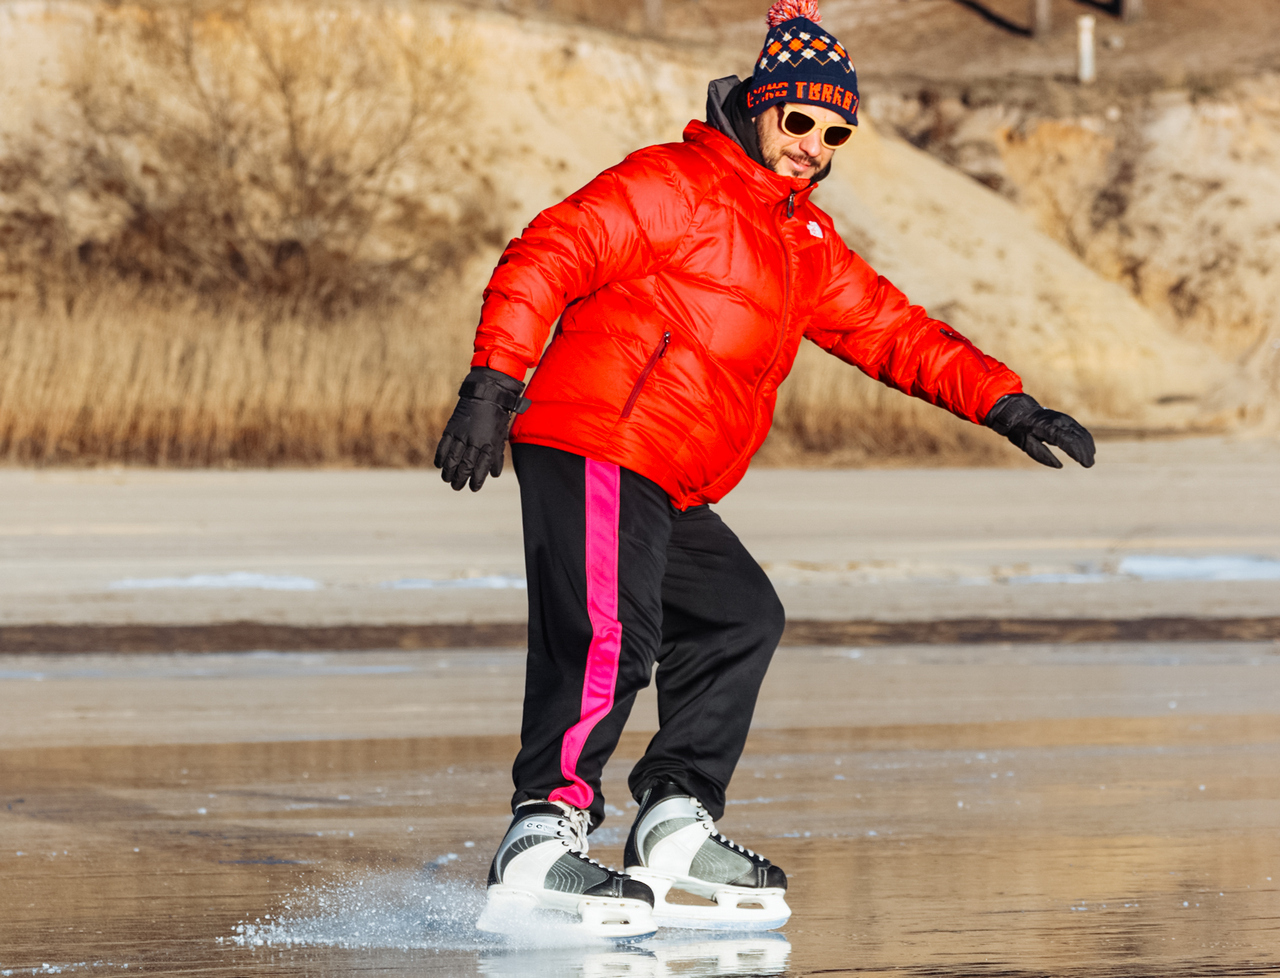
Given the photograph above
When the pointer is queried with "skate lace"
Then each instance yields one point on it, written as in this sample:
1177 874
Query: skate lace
704 817
573 830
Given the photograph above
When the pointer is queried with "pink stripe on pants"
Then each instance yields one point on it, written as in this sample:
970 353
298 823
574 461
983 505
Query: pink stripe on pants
604 493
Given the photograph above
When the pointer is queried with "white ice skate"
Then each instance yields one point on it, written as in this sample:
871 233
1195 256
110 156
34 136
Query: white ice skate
674 845
542 878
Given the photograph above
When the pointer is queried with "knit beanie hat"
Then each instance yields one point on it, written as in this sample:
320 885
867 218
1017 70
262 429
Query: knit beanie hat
802 63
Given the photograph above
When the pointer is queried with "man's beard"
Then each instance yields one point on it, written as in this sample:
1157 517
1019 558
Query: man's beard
772 157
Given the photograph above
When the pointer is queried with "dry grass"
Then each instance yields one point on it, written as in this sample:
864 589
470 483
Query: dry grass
830 414
122 380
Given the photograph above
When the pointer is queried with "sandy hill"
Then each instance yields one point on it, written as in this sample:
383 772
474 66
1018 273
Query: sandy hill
545 105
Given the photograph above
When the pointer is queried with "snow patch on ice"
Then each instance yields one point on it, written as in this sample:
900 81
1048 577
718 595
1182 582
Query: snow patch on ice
1163 567
492 582
1218 568
236 579
1134 567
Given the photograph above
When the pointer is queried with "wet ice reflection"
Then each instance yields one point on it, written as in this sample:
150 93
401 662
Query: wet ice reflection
667 957
971 811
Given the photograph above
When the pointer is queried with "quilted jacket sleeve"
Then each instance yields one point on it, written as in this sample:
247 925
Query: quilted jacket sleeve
622 225
865 320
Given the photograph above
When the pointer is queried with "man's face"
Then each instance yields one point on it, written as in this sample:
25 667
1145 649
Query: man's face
795 156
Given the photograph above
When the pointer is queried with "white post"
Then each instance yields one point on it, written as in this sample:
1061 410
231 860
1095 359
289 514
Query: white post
1087 70
653 16
1041 17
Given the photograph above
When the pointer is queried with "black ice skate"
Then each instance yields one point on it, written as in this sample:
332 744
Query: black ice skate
542 865
674 844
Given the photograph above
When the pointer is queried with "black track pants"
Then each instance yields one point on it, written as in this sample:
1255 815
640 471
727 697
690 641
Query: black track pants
619 579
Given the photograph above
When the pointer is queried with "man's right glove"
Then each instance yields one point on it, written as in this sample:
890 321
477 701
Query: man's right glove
472 443
1029 426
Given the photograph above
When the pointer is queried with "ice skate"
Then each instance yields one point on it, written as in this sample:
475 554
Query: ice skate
674 845
542 876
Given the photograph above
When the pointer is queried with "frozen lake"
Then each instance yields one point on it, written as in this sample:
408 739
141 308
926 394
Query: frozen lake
1092 810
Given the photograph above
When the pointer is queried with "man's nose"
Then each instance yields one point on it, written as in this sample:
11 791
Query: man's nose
811 145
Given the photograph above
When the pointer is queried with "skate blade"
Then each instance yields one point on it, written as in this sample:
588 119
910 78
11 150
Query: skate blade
521 917
736 908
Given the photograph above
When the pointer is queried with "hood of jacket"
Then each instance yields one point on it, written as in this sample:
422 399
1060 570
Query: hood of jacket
727 113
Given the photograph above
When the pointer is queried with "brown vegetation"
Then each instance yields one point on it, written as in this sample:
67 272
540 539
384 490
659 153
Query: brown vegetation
220 252
258 235
117 377
121 379
245 240
248 152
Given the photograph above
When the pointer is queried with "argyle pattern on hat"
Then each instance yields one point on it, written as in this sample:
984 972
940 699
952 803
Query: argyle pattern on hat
795 44
800 62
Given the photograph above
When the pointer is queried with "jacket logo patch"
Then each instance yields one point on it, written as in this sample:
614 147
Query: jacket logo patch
814 229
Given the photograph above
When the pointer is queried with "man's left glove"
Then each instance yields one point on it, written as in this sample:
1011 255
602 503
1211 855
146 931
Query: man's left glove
471 447
1021 419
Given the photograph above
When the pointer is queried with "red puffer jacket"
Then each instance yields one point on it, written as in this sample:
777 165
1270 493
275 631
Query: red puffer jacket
687 276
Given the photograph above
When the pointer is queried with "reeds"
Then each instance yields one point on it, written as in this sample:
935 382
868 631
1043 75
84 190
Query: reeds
122 380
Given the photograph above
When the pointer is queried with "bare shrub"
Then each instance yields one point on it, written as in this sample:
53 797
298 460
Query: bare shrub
256 149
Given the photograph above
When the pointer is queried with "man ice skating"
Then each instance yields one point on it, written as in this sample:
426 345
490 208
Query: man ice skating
684 279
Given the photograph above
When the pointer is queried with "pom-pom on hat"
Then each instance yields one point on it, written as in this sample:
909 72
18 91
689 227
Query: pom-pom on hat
800 62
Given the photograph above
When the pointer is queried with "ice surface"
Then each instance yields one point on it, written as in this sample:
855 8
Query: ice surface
1140 567
1069 577
211 665
46 968
402 911
428 910
495 582
680 955
236 579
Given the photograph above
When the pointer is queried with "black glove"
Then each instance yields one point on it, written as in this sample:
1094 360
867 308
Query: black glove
1025 423
471 446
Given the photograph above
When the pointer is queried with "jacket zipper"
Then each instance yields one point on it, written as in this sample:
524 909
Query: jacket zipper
952 334
791 205
654 357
